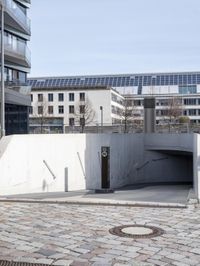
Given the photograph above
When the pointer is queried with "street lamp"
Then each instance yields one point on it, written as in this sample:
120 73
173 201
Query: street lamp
2 72
101 109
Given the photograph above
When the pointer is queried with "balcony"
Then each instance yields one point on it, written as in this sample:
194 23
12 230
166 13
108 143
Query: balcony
15 18
27 1
16 52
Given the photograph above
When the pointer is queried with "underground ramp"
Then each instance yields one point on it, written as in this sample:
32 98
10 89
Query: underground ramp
167 167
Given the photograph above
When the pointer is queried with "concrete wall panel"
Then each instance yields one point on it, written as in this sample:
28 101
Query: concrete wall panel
39 163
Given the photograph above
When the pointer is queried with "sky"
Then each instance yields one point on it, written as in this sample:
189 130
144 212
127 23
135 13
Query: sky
85 37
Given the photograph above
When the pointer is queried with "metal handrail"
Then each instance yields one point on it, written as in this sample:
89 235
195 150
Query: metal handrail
48 167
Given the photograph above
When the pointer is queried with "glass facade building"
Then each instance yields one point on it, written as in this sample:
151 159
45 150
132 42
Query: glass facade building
17 65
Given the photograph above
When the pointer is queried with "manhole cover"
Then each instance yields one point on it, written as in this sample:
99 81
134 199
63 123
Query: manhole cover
136 231
10 263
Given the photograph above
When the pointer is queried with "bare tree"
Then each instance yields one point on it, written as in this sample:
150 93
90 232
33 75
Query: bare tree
128 114
84 114
174 109
41 112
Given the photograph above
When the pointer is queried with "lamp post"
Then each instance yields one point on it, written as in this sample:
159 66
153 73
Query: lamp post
2 72
101 109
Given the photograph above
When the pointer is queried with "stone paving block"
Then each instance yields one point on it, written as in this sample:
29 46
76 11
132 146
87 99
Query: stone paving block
87 256
44 261
36 244
157 262
108 256
191 261
121 264
101 264
123 258
25 248
28 260
57 256
180 263
147 252
131 255
155 249
80 234
62 250
115 252
62 262
175 256
195 250
81 250
46 252
99 259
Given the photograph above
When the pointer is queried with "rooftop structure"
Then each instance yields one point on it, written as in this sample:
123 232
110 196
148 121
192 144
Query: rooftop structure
123 80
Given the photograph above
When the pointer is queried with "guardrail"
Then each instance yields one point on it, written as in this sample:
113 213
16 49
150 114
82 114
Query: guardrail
17 13
118 128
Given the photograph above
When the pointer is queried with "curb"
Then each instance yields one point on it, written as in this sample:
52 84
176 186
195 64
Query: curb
100 203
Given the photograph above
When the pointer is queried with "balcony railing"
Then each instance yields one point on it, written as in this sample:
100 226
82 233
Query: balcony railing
18 14
17 49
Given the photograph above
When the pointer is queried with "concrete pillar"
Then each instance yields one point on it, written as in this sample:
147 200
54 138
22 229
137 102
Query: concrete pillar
149 115
196 166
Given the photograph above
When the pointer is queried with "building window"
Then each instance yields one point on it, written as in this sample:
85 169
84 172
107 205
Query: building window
82 121
30 110
188 89
50 110
192 111
31 97
40 97
138 102
189 101
60 97
50 97
71 109
71 97
82 109
22 77
82 96
163 102
71 121
61 109
40 110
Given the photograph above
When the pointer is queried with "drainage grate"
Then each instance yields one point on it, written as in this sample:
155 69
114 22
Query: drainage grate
12 263
136 231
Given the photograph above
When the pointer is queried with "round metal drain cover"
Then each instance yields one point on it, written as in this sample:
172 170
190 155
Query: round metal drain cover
136 231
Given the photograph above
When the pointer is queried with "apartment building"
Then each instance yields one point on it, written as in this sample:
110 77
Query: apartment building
17 64
62 109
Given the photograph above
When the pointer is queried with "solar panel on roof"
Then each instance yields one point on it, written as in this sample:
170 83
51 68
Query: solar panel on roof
119 81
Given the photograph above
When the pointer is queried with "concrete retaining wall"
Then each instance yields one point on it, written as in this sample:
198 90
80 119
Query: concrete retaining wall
39 163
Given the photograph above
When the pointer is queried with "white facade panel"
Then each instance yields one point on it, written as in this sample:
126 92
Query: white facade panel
95 97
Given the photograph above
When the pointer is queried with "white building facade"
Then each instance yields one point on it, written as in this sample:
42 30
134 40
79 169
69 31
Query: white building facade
181 86
59 109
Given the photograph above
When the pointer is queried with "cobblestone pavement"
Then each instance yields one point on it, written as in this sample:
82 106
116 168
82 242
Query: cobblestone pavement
79 235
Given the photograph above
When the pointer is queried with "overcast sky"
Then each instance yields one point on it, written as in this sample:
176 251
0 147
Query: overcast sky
72 37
